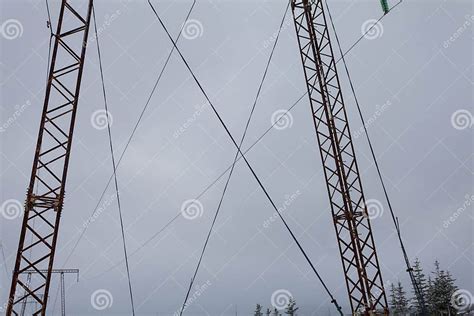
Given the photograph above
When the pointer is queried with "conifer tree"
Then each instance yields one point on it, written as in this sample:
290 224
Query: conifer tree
398 300
430 297
420 279
258 310
441 289
393 297
291 307
402 299
449 284
275 312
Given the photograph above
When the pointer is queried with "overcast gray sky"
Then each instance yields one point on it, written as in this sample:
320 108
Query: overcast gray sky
414 77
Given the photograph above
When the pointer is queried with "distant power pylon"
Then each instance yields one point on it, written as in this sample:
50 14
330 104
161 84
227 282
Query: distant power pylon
46 191
61 272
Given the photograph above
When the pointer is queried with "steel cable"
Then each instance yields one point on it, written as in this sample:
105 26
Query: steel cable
114 166
198 83
235 161
83 231
377 166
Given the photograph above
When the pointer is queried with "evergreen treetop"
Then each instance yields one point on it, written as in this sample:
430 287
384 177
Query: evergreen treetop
258 310
291 307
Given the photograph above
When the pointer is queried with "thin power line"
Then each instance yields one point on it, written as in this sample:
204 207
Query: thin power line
51 35
178 215
138 123
230 166
366 32
49 25
259 90
198 83
109 132
130 137
377 167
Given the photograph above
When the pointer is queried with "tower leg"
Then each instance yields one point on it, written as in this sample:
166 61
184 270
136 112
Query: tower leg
350 217
45 196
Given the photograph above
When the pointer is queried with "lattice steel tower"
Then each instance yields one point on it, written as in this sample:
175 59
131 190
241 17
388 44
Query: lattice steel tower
45 196
353 230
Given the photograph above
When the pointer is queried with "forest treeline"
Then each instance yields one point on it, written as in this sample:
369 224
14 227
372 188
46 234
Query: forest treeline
438 289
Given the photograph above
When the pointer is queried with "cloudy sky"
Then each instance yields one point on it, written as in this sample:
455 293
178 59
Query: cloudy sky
414 78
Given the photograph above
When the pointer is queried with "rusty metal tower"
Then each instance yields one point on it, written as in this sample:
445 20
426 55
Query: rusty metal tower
45 196
353 230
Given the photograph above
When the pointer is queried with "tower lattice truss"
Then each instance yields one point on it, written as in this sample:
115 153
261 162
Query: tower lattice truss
45 194
353 230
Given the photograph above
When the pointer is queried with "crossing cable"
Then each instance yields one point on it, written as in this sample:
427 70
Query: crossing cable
179 214
131 136
49 25
51 35
366 32
198 83
50 44
218 178
259 90
240 157
377 167
109 132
